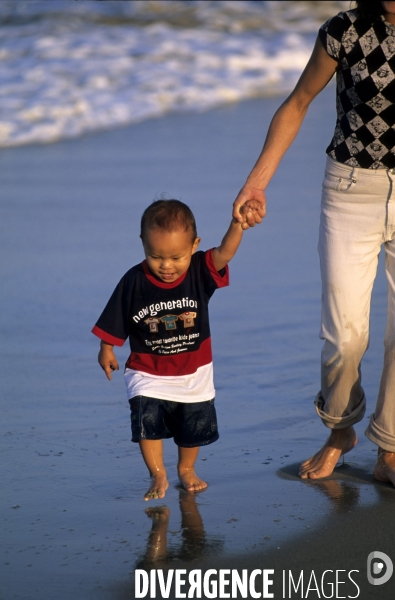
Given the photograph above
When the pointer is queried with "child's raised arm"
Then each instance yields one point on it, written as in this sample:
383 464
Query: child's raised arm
107 359
231 241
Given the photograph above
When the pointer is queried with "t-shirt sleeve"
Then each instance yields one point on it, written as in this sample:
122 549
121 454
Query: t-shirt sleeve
114 322
209 276
221 277
331 35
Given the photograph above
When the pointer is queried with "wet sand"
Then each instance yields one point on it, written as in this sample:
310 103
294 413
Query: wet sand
74 522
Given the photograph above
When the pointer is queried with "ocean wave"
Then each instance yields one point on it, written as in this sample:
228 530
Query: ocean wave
70 68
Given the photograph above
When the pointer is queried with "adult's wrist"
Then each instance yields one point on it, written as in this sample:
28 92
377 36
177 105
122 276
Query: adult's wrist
255 183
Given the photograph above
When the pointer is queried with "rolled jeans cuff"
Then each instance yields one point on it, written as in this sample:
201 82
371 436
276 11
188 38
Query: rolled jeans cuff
340 422
379 437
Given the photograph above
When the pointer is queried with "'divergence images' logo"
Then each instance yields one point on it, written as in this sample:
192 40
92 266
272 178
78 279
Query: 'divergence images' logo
380 568
231 583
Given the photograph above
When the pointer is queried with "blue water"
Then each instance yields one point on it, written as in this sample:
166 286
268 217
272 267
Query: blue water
67 68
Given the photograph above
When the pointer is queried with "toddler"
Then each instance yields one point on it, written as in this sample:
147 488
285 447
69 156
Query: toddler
161 305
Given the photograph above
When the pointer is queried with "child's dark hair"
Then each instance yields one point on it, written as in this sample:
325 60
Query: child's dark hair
168 215
370 9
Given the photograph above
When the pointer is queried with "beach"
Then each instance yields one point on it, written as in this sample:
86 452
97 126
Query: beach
74 521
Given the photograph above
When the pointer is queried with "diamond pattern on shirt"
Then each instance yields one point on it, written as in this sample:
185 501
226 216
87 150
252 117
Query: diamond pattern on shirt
354 145
378 103
383 77
365 128
349 39
360 71
388 46
377 127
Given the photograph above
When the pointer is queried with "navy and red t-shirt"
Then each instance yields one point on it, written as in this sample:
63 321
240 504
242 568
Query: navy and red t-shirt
168 328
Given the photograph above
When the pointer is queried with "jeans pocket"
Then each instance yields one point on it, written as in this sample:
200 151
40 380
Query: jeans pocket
339 184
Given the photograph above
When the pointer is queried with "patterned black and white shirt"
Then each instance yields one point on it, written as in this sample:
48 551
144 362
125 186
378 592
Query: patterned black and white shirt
365 128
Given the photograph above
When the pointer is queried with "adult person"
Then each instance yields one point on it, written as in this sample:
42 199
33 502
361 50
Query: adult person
357 218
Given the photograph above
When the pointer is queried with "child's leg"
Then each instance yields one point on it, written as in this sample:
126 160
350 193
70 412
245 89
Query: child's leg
186 469
152 452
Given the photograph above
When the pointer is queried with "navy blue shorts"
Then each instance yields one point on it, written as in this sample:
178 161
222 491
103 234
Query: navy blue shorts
191 424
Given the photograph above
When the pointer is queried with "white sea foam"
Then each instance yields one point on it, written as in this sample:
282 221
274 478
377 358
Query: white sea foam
69 68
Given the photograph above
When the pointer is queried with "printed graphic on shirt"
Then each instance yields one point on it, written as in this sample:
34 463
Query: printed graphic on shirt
153 309
153 324
170 322
173 345
188 318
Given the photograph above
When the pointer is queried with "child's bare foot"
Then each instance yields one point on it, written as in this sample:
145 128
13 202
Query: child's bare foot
190 481
158 487
324 461
384 469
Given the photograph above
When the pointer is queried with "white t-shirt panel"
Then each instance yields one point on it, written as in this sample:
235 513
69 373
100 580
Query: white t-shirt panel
197 387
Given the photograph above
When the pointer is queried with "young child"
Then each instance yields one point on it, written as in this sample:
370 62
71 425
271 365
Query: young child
161 305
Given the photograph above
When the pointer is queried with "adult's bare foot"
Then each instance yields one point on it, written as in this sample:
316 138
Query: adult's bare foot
158 487
384 469
324 461
190 481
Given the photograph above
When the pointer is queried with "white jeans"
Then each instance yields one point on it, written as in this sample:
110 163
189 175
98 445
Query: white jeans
357 217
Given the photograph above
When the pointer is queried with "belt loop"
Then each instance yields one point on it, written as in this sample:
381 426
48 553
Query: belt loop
353 175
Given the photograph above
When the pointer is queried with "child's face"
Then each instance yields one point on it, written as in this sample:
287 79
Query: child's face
169 253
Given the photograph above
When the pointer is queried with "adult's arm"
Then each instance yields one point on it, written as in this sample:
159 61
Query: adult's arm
282 131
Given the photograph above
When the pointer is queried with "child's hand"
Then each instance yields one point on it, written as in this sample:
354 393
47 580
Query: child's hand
252 212
253 198
107 359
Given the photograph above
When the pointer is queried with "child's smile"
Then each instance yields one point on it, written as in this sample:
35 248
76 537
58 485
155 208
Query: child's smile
169 253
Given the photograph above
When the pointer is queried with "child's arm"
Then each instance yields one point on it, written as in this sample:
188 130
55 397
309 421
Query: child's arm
228 247
231 241
107 359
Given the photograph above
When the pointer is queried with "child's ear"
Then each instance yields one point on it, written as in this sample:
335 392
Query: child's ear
195 245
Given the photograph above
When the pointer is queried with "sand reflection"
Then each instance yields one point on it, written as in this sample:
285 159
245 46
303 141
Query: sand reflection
190 542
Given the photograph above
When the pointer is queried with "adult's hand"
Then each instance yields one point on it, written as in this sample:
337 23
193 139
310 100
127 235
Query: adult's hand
249 208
